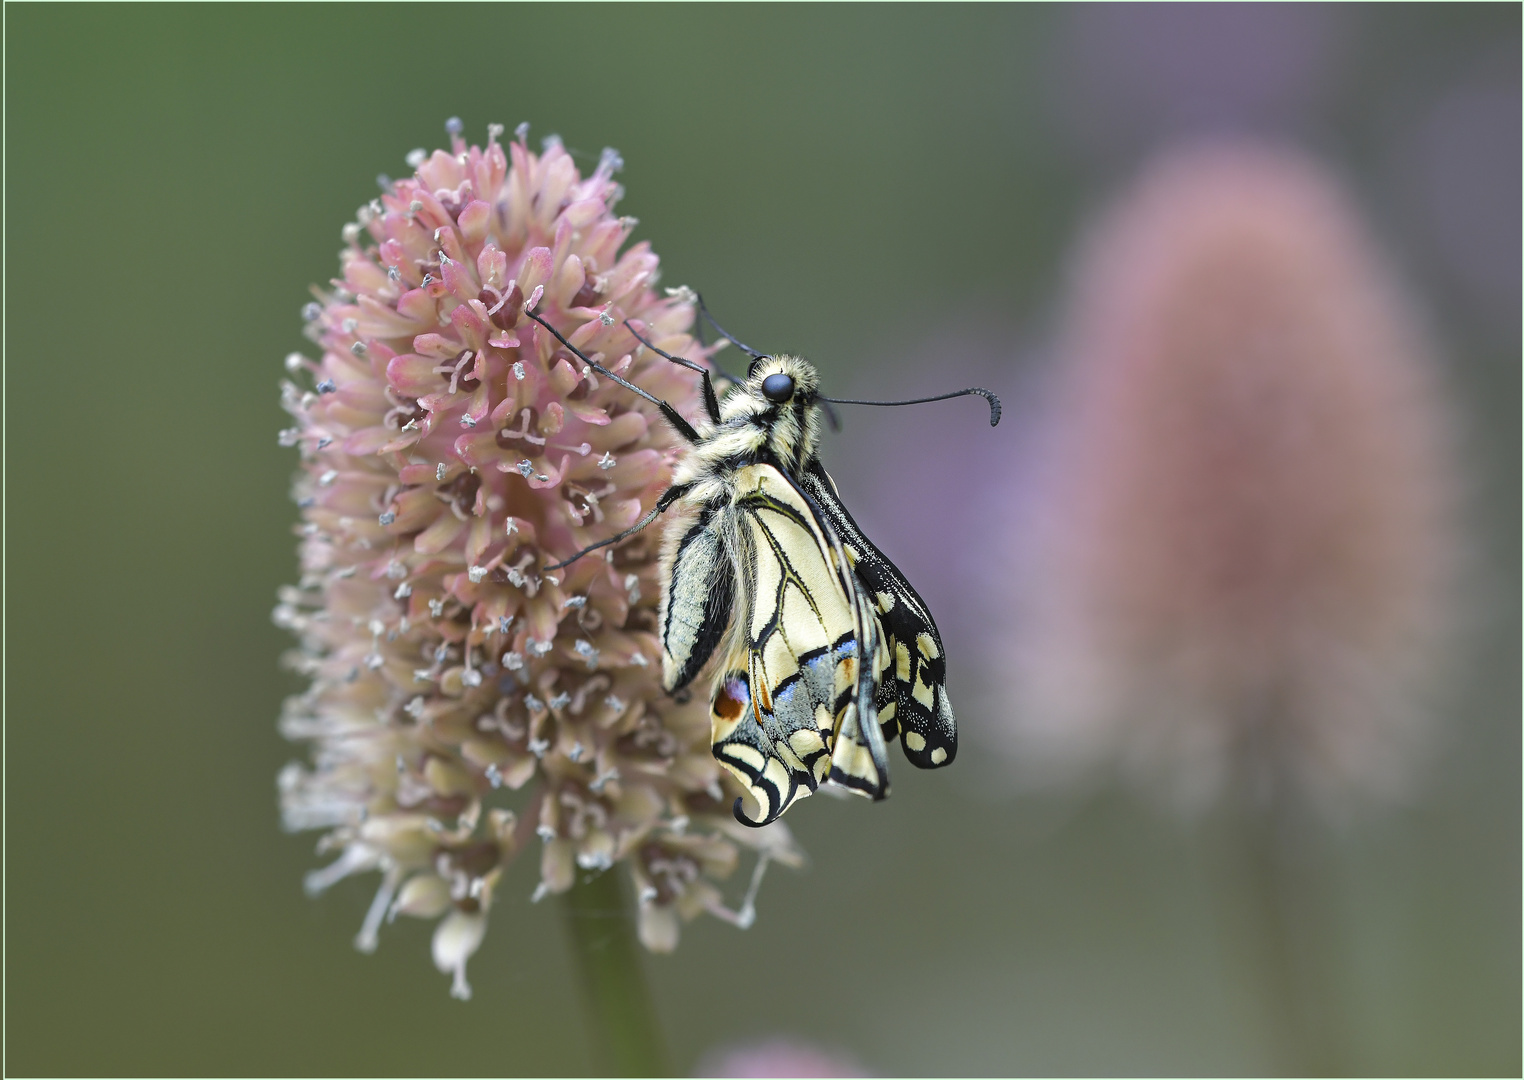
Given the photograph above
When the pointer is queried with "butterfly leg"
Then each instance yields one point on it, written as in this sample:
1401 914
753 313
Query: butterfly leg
711 402
674 417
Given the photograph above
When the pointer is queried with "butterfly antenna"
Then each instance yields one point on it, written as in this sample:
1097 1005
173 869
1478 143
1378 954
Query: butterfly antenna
979 390
738 343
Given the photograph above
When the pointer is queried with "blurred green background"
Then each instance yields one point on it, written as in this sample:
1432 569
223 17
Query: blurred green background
850 181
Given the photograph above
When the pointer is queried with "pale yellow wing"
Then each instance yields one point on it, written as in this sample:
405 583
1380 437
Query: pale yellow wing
793 707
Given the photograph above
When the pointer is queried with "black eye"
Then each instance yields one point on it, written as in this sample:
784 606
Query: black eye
778 388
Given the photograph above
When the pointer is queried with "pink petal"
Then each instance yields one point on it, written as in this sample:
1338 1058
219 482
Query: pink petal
413 375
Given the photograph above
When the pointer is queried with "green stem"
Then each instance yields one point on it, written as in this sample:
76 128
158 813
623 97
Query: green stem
1281 910
601 925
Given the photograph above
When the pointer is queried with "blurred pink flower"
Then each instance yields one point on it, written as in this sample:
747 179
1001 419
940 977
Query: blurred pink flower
779 1058
1239 537
465 701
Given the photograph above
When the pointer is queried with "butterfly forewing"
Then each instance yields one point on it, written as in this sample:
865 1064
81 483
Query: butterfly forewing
913 702
697 602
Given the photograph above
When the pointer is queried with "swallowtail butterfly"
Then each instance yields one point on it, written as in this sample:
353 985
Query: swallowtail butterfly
825 652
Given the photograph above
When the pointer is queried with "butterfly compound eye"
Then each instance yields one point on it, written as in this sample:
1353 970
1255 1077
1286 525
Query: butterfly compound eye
778 388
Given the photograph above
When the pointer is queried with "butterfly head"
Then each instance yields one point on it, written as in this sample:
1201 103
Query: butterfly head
781 397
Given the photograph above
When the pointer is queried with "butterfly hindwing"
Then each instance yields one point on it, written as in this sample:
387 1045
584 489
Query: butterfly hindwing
912 703
793 700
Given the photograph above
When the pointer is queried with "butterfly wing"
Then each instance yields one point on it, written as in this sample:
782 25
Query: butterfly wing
913 704
700 594
794 705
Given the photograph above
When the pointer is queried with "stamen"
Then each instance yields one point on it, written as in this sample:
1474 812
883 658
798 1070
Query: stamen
366 939
743 918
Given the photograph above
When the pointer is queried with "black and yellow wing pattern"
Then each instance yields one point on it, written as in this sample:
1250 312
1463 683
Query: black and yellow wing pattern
794 706
913 704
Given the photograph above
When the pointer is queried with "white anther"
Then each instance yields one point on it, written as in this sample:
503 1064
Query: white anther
416 158
607 461
476 573
328 477
440 470
518 370
295 362
403 591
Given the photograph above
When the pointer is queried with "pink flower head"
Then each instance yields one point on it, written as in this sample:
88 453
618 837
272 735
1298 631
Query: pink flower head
779 1057
465 700
1243 536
